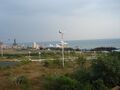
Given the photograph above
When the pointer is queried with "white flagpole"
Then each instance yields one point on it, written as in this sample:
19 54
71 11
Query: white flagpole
29 55
2 49
62 43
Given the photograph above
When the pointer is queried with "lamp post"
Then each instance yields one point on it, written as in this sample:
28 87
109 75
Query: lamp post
29 55
2 50
39 54
1 47
62 43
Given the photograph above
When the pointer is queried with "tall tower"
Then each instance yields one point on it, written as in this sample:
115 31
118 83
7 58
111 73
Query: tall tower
15 45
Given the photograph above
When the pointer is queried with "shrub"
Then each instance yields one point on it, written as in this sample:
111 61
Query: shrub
103 74
99 85
5 67
46 63
61 83
52 63
24 61
23 82
81 75
107 69
81 60
57 62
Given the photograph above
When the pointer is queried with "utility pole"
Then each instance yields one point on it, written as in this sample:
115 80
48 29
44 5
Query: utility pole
62 43
1 47
2 50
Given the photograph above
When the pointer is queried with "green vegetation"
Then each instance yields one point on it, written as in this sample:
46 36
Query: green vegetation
102 74
23 83
52 63
21 54
61 83
4 68
81 72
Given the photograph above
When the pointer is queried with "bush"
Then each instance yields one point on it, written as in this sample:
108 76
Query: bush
81 60
25 60
52 63
99 85
61 83
57 62
103 74
46 63
23 82
107 69
5 67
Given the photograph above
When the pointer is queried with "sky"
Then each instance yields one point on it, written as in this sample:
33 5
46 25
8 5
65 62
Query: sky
40 20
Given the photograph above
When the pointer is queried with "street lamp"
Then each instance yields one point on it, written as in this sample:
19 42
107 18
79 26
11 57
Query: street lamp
29 55
2 50
1 47
62 43
39 54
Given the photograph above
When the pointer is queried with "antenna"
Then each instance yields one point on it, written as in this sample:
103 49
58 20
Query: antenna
62 43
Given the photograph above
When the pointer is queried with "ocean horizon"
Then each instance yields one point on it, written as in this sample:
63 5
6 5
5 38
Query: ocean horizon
83 44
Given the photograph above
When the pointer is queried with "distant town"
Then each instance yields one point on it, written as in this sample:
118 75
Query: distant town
57 46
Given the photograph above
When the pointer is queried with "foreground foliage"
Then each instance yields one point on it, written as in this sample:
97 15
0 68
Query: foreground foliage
103 74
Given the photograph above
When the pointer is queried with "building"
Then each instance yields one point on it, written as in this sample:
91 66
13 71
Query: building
1 44
35 46
15 45
62 43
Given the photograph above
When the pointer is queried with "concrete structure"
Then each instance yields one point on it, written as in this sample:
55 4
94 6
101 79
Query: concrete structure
35 46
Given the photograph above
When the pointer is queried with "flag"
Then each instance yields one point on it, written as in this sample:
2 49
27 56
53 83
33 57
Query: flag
60 32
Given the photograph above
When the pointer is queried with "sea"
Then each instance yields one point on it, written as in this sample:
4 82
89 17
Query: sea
84 44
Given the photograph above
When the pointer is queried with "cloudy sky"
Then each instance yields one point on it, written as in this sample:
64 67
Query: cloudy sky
40 20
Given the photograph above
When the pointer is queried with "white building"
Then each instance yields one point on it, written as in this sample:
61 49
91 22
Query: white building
35 46
62 43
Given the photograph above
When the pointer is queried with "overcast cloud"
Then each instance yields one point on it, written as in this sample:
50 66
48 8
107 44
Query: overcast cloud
40 20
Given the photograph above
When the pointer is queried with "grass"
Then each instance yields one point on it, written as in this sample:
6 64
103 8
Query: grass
33 73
